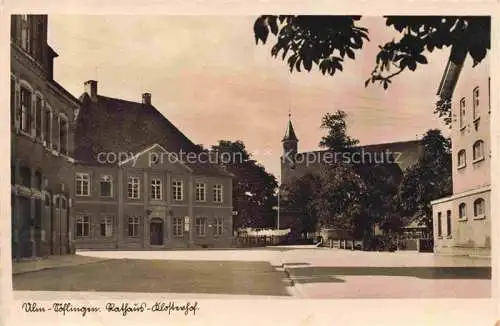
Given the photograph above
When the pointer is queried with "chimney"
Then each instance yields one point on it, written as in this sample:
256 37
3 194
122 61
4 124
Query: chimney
146 98
90 87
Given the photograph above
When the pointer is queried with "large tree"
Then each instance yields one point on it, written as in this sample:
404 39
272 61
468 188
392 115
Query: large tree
326 41
428 179
253 187
302 193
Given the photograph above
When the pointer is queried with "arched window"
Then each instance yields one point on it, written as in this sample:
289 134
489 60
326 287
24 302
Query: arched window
479 207
478 150
38 114
462 211
38 180
47 126
55 131
462 162
25 108
475 103
63 134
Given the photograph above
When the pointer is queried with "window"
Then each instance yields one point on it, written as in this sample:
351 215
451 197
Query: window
462 211
55 132
448 223
82 184
177 190
38 116
200 192
25 33
479 208
106 227
47 127
439 227
12 101
478 151
219 226
201 226
475 103
38 180
25 174
218 193
63 135
133 188
156 189
106 186
25 113
47 200
133 227
178 227
462 162
462 113
82 226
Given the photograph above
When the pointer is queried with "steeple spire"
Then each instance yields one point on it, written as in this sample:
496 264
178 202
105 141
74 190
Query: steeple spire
290 133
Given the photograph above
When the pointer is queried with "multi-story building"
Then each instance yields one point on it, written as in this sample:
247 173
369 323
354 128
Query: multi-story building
42 124
462 221
141 183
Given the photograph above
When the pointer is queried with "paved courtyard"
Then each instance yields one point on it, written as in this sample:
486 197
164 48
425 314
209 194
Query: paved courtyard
281 272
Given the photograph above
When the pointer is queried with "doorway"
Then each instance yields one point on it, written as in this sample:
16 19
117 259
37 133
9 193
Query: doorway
156 229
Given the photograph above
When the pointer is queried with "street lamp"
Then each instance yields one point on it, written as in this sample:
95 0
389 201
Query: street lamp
284 193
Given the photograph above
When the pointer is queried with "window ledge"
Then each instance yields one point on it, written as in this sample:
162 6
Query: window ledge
477 160
480 217
463 128
440 237
449 237
460 167
476 119
463 219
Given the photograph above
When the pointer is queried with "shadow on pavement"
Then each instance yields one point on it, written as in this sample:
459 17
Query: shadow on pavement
325 274
160 276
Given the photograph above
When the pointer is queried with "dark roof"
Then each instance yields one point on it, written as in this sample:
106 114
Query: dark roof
112 125
406 152
290 133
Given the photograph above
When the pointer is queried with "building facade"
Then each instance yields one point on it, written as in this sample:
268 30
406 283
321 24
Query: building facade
462 221
42 139
134 187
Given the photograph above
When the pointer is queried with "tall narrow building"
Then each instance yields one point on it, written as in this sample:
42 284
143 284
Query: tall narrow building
462 221
42 128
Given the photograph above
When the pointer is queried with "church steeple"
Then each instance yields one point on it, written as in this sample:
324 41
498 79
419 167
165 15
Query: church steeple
290 140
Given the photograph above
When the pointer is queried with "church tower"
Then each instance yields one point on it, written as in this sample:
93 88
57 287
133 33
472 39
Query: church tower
290 140
290 148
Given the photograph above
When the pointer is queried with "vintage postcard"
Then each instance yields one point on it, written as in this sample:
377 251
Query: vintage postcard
170 168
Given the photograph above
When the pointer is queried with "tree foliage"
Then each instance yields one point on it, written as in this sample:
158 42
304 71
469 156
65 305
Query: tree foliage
326 42
428 179
253 187
336 138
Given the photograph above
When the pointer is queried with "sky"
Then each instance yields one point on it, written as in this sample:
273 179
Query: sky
211 80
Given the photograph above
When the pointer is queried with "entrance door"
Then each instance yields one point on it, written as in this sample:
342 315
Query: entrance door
156 229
